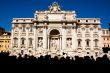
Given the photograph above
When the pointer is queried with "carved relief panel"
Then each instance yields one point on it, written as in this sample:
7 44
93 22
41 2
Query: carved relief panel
40 31
40 42
68 31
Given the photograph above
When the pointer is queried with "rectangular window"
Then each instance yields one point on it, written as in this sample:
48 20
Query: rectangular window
79 43
108 45
22 42
96 43
30 42
107 38
104 38
87 43
15 41
107 32
103 31
5 46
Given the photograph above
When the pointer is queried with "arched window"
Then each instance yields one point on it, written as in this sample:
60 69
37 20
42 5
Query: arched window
79 42
15 41
87 42
22 41
30 41
96 42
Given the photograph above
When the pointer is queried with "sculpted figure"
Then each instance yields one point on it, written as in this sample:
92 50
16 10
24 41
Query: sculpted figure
69 43
40 42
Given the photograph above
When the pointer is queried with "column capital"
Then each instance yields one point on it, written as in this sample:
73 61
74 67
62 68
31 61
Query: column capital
64 26
13 28
20 27
35 24
27 27
45 25
35 27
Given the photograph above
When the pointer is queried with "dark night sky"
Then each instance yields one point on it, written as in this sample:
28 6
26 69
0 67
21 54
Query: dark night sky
25 8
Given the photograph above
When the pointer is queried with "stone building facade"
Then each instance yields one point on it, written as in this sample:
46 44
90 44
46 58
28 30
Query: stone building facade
106 38
5 40
56 32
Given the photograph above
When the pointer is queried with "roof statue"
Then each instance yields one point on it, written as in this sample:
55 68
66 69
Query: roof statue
55 7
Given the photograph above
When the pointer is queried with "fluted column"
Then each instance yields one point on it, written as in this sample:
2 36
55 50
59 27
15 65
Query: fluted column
92 40
74 37
99 43
12 39
63 37
45 36
35 36
48 42
19 37
83 38
27 39
60 44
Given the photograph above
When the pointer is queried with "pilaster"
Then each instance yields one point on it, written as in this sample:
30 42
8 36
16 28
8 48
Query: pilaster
19 37
35 36
63 36
27 39
45 36
12 39
74 37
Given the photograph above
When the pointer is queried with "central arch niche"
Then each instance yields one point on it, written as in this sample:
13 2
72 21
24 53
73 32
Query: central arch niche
54 32
54 39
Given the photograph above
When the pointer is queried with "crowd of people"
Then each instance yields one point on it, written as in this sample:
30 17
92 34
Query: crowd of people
6 59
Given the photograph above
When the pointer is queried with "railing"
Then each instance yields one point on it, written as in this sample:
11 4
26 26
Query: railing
15 46
96 47
23 33
22 46
30 46
87 47
79 48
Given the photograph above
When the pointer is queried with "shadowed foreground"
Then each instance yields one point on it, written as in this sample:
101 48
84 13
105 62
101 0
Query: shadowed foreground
6 59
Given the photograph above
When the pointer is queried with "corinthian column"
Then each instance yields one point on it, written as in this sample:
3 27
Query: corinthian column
83 38
92 40
35 36
64 37
19 37
74 37
45 36
100 38
27 34
11 47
